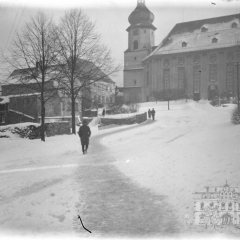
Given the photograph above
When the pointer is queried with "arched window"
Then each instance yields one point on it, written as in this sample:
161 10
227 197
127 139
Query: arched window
222 206
234 25
202 206
135 45
230 206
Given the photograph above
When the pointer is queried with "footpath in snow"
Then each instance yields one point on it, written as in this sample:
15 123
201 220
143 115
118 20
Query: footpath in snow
136 180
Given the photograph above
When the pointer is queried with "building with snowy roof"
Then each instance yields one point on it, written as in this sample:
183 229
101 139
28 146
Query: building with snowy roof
24 94
197 58
219 205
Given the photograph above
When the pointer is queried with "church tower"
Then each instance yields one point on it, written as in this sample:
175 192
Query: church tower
141 40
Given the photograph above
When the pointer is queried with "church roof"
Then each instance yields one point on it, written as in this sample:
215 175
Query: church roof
141 17
206 34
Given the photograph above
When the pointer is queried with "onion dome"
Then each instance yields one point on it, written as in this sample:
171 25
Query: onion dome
141 17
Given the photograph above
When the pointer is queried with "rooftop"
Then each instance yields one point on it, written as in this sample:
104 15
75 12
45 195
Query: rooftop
206 34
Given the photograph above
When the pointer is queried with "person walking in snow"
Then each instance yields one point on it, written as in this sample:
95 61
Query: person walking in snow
153 114
103 112
84 134
149 113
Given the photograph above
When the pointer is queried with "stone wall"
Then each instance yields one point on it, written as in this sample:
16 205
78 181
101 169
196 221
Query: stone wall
90 113
138 118
57 128
141 117
118 121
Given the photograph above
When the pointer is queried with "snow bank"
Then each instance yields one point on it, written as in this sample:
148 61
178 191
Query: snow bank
19 125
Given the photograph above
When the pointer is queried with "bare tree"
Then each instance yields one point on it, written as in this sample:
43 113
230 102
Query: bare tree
83 59
33 56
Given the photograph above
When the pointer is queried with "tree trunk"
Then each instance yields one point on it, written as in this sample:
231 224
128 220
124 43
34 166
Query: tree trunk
73 114
168 104
73 108
42 119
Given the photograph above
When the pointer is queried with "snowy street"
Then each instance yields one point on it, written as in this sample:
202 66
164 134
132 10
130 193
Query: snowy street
136 180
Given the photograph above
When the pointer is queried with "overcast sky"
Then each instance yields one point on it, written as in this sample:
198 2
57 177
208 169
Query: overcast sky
111 17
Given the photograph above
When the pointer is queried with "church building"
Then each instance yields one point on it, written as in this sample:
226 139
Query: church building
198 58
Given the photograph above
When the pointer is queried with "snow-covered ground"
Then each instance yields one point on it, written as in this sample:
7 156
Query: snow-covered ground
188 147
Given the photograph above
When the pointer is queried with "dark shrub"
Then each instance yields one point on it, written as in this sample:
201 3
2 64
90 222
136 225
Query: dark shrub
235 117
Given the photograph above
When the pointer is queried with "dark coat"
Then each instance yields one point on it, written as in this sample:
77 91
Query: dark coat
149 113
84 134
153 112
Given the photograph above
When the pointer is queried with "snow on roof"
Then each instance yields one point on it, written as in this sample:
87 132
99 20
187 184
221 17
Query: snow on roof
24 95
191 33
4 99
21 113
19 125
87 68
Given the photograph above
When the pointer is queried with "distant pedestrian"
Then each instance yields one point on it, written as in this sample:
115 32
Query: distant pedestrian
84 134
149 113
153 114
103 112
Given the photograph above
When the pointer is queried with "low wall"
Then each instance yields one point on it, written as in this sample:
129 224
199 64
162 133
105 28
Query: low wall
57 128
138 118
90 113
118 121
141 117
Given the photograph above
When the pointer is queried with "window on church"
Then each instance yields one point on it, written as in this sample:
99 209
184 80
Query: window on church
230 206
203 29
135 32
222 206
196 79
214 40
202 206
212 73
230 76
234 25
181 77
166 78
135 82
184 44
135 45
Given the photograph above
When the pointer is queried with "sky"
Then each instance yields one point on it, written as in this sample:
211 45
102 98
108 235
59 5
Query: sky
111 18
